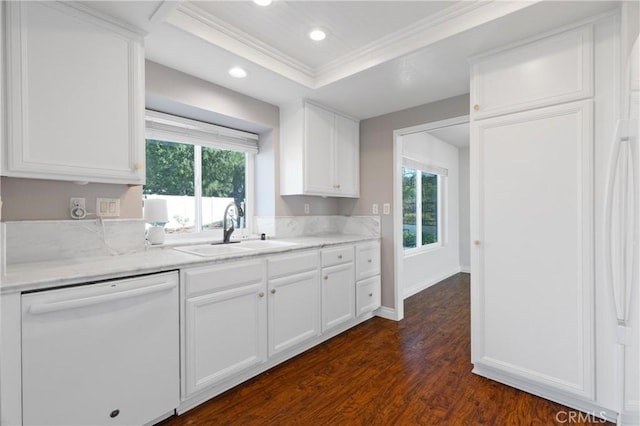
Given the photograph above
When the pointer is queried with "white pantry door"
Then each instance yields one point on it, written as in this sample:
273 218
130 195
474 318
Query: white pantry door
533 257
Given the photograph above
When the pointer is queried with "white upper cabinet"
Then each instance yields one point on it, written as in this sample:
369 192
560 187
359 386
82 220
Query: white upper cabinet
75 95
545 72
319 152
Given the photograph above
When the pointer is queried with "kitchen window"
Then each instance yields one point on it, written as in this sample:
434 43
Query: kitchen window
422 201
200 169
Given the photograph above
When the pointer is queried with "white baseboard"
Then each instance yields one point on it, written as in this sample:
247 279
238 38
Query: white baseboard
466 269
387 313
418 288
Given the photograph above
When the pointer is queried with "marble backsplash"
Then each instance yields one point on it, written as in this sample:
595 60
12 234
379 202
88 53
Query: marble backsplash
40 241
299 226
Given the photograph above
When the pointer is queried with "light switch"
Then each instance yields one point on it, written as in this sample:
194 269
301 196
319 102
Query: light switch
108 207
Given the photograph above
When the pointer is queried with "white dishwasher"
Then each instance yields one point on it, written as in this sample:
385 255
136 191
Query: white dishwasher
101 354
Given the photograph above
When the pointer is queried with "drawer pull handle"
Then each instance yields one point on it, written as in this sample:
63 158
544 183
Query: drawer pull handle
476 107
326 277
273 291
476 242
261 294
369 260
370 294
339 256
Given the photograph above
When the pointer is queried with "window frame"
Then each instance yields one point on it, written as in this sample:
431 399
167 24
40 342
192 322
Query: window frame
169 128
440 194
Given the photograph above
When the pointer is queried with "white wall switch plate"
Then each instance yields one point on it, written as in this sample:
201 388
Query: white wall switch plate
386 208
108 207
374 208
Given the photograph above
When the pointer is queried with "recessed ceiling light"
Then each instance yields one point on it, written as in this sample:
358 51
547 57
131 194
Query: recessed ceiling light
262 2
237 72
317 35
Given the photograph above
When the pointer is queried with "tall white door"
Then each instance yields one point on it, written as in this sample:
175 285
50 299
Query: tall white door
532 222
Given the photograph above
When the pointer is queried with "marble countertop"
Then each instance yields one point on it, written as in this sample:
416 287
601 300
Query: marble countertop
44 275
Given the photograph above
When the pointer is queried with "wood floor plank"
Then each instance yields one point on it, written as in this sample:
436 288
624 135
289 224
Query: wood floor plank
413 372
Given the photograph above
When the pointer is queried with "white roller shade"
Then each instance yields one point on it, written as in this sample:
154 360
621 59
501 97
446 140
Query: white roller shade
171 128
429 168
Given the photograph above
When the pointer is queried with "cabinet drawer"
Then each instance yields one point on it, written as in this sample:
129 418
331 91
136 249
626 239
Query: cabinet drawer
367 295
293 264
337 256
218 277
367 260
552 70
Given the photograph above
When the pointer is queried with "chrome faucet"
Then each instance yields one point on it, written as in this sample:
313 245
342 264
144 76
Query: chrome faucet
226 232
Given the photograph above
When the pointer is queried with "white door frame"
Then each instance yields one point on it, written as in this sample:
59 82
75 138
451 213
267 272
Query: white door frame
398 254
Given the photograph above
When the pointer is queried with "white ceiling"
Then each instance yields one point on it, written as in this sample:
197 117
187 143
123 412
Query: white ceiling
379 56
457 135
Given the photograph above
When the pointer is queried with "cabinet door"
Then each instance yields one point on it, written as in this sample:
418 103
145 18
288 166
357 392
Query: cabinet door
367 295
532 280
294 310
544 72
347 146
318 152
75 98
225 334
338 295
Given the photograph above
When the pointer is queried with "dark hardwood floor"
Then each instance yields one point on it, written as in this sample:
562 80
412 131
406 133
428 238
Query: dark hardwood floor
382 372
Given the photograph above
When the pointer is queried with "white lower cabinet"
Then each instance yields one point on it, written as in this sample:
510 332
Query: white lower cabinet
367 295
244 317
225 322
338 287
294 301
368 284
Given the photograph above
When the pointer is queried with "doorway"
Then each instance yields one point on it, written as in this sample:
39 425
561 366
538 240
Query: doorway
431 198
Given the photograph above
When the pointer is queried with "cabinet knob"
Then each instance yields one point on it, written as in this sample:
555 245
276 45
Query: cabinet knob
114 413
339 256
476 107
261 294
476 242
338 186
326 277
369 260
273 291
137 166
370 294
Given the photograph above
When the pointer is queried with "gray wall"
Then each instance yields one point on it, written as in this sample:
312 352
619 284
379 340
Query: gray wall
376 171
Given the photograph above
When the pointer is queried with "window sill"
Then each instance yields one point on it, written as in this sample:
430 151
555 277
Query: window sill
422 250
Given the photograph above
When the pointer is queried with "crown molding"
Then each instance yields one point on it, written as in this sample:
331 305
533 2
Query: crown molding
459 17
200 23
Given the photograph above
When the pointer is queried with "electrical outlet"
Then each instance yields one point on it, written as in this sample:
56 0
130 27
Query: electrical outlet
307 210
108 207
386 208
374 208
77 208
